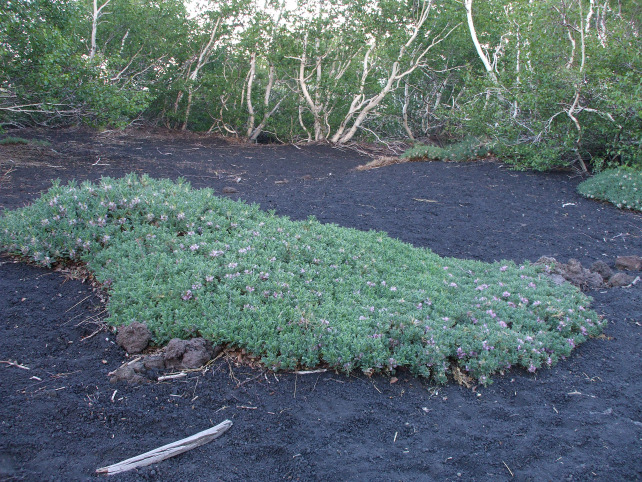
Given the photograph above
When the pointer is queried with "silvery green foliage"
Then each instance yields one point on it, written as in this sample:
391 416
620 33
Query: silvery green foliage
622 187
295 293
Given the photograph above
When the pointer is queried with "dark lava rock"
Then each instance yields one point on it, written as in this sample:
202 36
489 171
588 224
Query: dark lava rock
629 263
574 267
188 354
129 373
603 269
133 338
154 362
230 190
620 279
573 272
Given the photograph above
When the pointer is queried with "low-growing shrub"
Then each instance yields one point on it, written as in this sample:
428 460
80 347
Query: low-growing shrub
621 186
11 140
297 293
7 141
465 150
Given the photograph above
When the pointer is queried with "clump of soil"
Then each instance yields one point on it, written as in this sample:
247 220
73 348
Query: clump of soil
177 355
599 275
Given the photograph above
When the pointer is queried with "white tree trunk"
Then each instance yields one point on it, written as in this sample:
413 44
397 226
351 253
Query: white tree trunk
248 93
97 13
468 4
266 104
404 111
361 107
312 105
203 59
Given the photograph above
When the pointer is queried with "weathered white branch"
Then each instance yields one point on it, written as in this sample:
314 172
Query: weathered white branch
167 451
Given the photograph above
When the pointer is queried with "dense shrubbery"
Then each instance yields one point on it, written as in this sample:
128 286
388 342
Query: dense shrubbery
465 150
297 293
622 187
550 86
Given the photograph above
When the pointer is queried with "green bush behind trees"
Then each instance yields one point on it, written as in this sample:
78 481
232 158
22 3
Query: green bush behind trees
551 85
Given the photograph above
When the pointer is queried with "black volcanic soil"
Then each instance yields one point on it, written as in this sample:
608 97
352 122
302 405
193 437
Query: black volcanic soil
61 419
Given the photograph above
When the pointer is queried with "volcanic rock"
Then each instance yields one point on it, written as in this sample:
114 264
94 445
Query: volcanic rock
620 279
134 338
186 354
603 269
629 263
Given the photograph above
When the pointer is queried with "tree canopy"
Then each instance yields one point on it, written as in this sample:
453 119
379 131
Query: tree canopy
547 83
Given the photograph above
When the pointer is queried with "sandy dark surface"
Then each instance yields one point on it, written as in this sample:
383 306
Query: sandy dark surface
62 419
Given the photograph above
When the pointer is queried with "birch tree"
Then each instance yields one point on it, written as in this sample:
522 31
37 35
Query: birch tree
411 55
97 13
262 36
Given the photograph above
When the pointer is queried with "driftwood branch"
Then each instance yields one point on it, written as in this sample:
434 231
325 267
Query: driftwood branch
167 451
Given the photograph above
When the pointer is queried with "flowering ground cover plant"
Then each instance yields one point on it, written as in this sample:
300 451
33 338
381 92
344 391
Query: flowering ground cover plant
297 293
621 186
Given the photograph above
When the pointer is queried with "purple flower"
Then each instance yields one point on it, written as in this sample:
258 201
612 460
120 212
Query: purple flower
503 268
187 295
194 247
505 294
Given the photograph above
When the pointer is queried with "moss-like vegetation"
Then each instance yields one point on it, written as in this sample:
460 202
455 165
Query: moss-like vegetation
186 262
621 186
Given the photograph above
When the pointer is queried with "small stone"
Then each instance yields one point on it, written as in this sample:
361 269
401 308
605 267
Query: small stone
574 266
593 280
134 338
558 279
629 263
230 190
154 362
138 367
547 260
188 354
127 374
620 279
603 269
